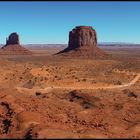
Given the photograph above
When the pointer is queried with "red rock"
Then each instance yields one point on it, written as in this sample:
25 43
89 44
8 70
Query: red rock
12 39
82 36
13 46
83 42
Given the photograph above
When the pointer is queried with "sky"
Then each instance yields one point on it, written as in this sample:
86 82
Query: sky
50 22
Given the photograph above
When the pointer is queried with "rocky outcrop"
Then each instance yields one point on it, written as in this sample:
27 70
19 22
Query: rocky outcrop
82 36
12 39
13 46
83 42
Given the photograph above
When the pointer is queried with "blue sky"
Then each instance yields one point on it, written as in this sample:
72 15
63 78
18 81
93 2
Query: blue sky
50 22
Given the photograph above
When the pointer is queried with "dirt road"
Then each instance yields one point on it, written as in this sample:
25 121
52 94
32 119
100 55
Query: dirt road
21 89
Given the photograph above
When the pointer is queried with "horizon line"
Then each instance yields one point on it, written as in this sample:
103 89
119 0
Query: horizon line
67 43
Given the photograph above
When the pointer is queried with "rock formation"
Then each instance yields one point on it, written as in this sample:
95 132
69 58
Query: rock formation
83 42
82 36
12 39
13 46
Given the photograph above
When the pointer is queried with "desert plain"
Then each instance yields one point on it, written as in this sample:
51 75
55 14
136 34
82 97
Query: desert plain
43 95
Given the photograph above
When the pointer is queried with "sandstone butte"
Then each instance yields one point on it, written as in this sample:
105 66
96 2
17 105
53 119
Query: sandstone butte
13 46
83 42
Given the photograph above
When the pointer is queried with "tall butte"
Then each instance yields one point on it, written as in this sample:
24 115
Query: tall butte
83 43
13 46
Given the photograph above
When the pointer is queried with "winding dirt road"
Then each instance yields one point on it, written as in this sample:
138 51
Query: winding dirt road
21 89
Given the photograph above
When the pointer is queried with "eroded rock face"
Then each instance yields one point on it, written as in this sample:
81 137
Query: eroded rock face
83 43
12 39
13 47
82 36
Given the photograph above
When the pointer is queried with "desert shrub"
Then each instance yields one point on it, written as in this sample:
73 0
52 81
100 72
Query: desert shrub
55 76
38 93
84 79
20 77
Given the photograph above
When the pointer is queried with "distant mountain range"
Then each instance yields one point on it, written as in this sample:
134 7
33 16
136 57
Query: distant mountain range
65 45
119 44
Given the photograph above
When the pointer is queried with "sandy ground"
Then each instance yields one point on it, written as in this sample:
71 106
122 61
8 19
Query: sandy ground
45 96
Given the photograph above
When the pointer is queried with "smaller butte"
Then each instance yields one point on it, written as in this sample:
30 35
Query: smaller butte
13 46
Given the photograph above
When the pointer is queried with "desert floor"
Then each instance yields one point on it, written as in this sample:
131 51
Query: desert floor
50 96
